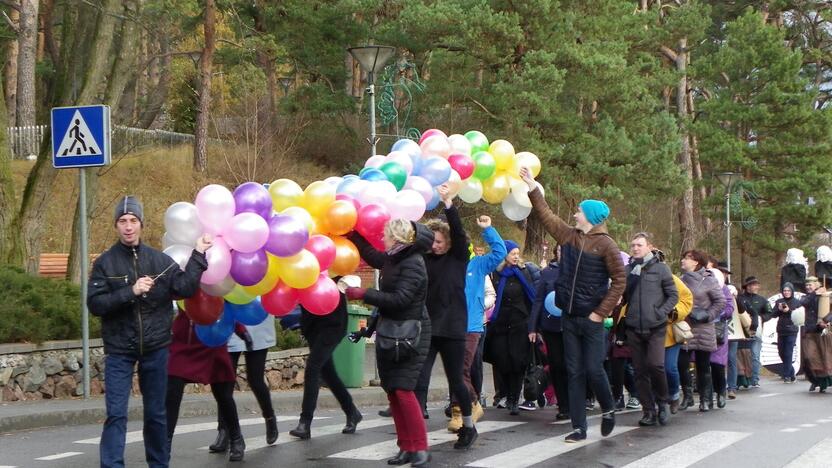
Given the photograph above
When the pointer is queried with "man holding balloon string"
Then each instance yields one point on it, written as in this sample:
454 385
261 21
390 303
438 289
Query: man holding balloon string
131 288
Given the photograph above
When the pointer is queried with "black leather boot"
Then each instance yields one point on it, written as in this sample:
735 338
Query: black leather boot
353 419
237 449
303 431
271 430
221 444
402 458
721 400
687 399
420 458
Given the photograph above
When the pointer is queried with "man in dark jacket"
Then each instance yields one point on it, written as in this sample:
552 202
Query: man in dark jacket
131 288
590 283
650 298
759 309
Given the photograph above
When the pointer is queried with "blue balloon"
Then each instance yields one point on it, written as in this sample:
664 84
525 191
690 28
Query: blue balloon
407 146
435 170
345 184
247 314
434 202
372 174
417 163
216 334
549 304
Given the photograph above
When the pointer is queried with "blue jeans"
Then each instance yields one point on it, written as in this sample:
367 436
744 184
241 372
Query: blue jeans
733 347
785 347
671 370
118 378
756 349
584 345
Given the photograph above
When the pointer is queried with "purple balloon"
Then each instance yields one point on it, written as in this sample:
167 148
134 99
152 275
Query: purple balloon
252 197
287 236
247 269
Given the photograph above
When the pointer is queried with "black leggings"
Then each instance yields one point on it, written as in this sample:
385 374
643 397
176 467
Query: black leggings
557 368
512 383
223 394
703 370
256 376
453 359
319 365
719 379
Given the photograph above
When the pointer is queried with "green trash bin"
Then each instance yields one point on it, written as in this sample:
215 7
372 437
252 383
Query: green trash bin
348 356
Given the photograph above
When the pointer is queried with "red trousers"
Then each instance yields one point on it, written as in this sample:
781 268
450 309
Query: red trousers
411 430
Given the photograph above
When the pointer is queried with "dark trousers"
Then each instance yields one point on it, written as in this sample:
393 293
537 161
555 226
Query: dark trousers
223 394
584 346
512 383
118 376
648 361
256 377
476 367
785 347
703 370
319 366
472 345
557 368
621 375
453 357
718 377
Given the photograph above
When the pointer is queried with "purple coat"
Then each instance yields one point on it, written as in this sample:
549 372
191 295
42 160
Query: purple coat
720 356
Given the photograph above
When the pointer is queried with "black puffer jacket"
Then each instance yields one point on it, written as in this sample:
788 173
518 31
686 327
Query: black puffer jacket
133 324
650 296
403 283
446 283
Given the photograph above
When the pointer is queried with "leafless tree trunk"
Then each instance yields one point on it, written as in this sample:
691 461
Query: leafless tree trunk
10 73
687 219
205 65
27 40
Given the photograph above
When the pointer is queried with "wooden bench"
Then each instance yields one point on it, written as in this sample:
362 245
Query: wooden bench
54 265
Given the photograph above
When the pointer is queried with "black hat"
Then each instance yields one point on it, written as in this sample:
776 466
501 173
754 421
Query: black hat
749 281
128 205
722 266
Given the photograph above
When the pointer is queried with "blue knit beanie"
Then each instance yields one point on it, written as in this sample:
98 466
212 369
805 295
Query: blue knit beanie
596 211
510 245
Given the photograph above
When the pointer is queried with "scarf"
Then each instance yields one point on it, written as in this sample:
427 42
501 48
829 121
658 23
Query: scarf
397 247
638 263
505 274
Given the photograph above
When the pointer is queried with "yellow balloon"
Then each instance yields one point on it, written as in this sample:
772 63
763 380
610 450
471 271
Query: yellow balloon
303 216
285 193
317 197
238 296
268 282
496 188
299 271
528 160
503 153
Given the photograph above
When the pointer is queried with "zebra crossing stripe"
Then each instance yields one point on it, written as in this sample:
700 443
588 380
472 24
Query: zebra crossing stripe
538 452
256 443
59 456
387 449
689 451
136 436
815 457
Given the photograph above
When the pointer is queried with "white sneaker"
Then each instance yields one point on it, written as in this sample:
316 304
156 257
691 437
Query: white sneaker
633 403
501 403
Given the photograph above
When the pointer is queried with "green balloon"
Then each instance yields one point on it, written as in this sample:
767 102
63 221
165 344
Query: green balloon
484 165
478 141
395 173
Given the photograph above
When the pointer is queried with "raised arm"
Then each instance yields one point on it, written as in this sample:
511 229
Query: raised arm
459 241
555 226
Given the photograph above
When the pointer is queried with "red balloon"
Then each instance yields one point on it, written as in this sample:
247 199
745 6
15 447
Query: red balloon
430 133
322 297
371 220
203 309
463 165
377 241
344 196
280 301
323 249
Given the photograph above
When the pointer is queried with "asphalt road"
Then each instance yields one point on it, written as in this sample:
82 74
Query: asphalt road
777 425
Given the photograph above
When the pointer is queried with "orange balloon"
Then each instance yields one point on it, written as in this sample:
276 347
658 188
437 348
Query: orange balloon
346 257
340 217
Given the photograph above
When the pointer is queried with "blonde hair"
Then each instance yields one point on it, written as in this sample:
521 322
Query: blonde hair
400 230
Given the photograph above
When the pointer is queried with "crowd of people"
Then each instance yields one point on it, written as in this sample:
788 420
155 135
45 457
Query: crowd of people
577 332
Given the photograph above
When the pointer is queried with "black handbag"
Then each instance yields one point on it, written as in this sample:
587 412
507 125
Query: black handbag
699 315
536 379
398 340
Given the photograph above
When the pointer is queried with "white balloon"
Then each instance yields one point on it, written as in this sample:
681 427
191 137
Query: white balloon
407 204
180 254
380 192
459 144
182 223
514 211
471 190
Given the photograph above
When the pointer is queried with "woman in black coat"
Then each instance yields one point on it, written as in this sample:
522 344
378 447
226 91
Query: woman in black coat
402 296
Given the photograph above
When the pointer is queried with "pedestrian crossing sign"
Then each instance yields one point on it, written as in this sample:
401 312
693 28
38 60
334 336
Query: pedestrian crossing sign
80 136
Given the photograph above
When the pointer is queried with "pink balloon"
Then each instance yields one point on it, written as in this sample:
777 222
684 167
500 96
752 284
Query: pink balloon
375 161
421 185
379 192
280 301
322 297
323 249
431 132
463 165
402 158
219 262
436 145
408 204
215 207
246 232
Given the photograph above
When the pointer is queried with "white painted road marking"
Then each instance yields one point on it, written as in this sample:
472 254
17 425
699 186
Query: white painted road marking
58 456
815 457
766 395
596 416
789 429
689 451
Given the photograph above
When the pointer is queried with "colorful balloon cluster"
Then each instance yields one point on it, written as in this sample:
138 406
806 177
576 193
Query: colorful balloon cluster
278 245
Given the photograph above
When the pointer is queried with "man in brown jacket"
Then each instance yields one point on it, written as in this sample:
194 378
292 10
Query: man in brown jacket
590 284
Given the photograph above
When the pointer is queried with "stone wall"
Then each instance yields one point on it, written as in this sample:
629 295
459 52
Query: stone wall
53 370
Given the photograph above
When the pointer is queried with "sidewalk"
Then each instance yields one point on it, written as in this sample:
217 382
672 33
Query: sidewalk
20 416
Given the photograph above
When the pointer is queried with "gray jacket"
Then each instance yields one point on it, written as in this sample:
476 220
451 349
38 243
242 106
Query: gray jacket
707 294
650 296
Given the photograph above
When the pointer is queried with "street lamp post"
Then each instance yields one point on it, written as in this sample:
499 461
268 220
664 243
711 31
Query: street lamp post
372 59
728 179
